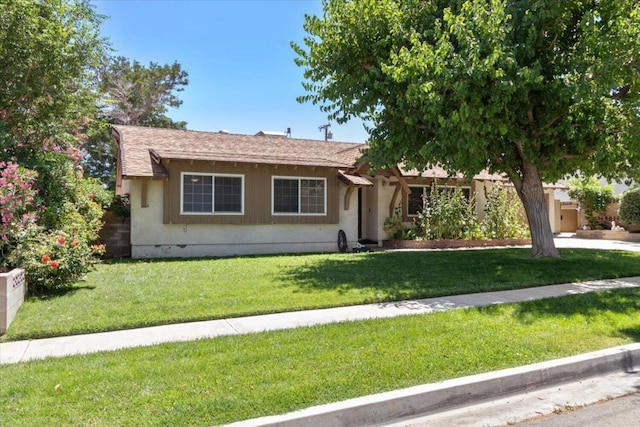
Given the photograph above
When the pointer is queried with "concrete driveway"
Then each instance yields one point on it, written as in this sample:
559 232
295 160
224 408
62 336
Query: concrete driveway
568 240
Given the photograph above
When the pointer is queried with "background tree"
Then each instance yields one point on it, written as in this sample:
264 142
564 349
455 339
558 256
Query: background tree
536 90
48 51
140 95
134 94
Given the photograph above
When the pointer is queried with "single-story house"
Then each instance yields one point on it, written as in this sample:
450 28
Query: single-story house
215 193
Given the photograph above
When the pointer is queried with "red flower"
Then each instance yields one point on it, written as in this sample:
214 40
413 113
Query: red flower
61 240
54 264
98 248
90 195
74 243
45 259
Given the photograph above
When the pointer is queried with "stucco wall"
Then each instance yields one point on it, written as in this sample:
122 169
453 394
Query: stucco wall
378 200
150 238
481 189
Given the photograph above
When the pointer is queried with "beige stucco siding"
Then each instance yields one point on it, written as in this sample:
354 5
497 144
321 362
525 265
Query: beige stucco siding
152 238
376 202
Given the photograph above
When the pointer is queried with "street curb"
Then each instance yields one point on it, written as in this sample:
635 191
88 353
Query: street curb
437 397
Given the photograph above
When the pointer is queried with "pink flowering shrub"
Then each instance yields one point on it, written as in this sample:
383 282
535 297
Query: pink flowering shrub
57 258
54 260
17 210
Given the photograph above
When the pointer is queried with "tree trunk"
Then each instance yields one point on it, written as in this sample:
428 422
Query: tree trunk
531 193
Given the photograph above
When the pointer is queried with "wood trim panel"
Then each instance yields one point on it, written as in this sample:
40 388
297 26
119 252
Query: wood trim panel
347 197
257 193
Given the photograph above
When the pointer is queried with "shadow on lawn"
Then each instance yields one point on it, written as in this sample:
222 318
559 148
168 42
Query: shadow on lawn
58 293
424 274
590 305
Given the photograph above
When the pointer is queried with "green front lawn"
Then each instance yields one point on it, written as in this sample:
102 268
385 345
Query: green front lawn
228 379
129 294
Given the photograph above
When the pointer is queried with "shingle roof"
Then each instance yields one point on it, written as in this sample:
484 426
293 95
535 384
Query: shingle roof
139 146
354 179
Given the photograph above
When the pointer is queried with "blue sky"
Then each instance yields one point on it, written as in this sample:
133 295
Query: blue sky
242 75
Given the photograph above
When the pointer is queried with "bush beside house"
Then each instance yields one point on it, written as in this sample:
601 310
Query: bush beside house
447 217
630 209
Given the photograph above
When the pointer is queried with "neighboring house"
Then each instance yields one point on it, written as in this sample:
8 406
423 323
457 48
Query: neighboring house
216 194
572 217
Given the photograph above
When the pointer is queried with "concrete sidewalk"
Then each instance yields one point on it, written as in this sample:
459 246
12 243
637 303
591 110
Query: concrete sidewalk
21 351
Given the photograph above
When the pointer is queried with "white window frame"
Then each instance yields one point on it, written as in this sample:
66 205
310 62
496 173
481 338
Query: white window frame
213 202
299 179
428 188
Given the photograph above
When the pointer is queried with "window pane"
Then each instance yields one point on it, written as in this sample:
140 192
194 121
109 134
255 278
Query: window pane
415 200
196 193
467 193
285 195
228 194
312 196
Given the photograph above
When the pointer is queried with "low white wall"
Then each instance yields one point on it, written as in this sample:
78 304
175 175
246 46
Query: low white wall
12 290
150 238
230 249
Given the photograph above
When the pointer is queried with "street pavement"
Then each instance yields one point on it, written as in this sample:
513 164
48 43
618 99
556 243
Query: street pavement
622 411
589 401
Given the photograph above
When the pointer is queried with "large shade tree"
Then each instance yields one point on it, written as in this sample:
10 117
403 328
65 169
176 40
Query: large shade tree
536 90
49 50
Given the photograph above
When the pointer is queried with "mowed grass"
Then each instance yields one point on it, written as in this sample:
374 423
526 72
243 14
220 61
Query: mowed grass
227 379
129 294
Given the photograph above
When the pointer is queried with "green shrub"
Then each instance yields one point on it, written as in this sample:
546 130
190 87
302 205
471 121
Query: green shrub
630 206
54 260
57 258
447 214
504 215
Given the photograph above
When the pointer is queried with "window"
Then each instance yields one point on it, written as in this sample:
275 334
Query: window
415 199
299 196
418 193
212 194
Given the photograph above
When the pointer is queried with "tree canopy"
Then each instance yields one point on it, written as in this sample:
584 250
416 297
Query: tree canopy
48 50
141 95
133 94
535 90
